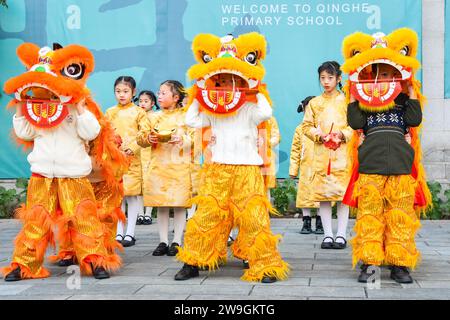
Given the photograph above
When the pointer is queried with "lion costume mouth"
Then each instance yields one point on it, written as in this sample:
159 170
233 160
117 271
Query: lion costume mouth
225 97
43 107
374 92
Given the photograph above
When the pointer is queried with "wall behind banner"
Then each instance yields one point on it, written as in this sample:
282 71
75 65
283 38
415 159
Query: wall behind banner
150 40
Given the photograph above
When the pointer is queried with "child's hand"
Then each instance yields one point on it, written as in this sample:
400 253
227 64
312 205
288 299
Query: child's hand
411 91
152 138
352 98
176 140
81 106
128 152
19 109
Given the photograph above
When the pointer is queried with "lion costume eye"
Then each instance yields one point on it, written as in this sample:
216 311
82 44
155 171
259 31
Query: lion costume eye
74 71
206 58
355 52
405 51
251 58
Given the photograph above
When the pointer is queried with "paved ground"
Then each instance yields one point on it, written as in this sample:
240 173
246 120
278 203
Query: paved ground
316 273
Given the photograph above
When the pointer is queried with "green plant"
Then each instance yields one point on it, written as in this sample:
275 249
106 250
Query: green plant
3 3
11 198
441 205
284 194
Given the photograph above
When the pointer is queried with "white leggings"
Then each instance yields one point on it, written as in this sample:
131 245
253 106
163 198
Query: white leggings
135 205
179 222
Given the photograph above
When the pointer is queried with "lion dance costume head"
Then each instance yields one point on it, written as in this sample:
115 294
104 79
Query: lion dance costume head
368 59
228 74
55 81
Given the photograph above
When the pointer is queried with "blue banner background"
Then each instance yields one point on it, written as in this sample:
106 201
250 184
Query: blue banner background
150 40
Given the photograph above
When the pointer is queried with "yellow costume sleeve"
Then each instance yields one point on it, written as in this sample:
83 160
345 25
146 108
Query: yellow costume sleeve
309 126
296 152
275 137
143 125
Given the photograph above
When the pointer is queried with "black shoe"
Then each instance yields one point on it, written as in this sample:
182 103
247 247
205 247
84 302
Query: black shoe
327 245
161 250
401 275
306 226
319 226
66 262
128 243
246 265
339 245
147 220
14 275
100 273
140 220
119 241
187 272
268 279
173 250
364 276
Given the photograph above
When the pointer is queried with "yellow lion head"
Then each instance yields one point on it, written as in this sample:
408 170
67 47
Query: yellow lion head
365 55
229 71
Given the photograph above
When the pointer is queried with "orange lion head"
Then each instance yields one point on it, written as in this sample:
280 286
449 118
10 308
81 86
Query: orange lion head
55 79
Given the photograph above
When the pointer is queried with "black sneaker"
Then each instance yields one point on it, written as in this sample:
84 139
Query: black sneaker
161 250
401 274
306 226
140 219
268 279
14 275
364 275
128 243
173 250
187 272
319 226
100 273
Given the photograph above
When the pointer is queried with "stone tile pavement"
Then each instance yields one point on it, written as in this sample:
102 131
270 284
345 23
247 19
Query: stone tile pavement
316 273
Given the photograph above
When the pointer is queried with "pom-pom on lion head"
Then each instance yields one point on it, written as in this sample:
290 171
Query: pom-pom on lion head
229 71
378 65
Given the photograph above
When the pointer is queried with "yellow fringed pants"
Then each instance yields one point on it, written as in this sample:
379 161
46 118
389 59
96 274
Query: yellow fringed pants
386 222
109 212
233 196
69 204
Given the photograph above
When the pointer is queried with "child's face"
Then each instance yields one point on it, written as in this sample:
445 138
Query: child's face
228 81
166 99
124 93
387 72
328 81
146 102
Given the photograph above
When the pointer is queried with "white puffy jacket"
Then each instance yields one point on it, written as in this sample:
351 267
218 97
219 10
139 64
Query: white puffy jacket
60 152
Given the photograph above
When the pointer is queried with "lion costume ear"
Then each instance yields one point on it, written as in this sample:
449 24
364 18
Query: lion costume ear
28 54
205 43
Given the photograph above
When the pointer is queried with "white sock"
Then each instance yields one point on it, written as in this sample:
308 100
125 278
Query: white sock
325 214
140 201
191 211
163 225
119 223
306 212
134 206
179 221
148 211
342 215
